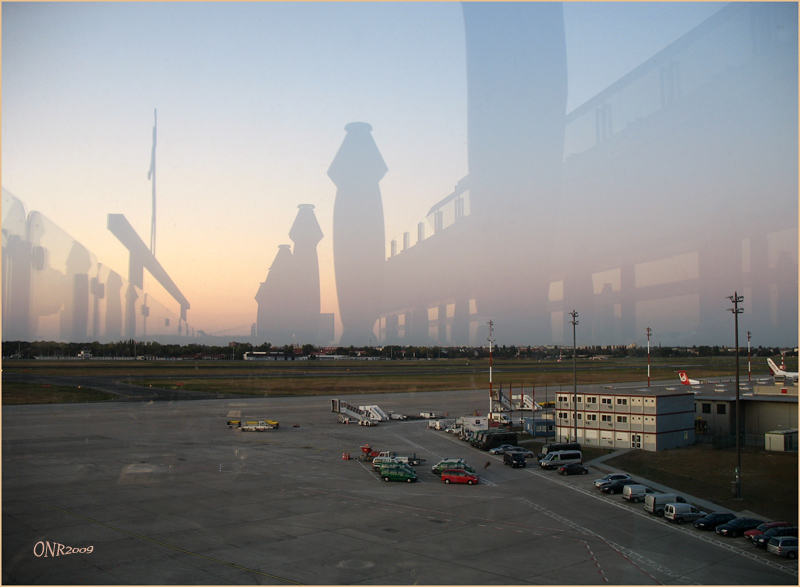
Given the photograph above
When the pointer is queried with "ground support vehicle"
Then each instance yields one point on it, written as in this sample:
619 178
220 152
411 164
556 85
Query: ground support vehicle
238 423
259 426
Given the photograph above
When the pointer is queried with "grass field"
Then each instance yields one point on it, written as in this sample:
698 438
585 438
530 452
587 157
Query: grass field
339 377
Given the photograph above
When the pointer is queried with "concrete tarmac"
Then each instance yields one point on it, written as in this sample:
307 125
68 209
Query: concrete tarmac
165 493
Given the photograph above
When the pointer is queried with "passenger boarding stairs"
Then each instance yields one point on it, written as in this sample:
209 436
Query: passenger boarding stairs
373 413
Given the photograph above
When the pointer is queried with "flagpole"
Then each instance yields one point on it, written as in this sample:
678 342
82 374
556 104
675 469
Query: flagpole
152 175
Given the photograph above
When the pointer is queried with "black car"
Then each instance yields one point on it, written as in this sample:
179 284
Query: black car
761 540
738 526
616 486
573 469
711 521
515 459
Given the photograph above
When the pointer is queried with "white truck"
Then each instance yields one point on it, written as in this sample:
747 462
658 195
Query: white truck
431 415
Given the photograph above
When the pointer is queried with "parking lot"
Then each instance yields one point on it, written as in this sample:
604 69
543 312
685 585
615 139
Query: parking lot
165 492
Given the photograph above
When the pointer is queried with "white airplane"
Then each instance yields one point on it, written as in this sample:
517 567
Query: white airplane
685 379
778 372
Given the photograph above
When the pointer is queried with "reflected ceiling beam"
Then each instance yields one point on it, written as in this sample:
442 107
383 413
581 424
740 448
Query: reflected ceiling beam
141 258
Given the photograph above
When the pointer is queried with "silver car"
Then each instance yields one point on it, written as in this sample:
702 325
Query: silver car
783 546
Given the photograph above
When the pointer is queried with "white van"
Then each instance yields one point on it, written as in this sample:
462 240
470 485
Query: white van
656 502
680 512
635 493
553 460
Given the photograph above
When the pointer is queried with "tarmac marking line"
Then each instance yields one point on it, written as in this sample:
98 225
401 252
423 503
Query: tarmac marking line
164 544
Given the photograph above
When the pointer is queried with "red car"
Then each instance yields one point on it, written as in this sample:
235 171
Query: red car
459 476
750 534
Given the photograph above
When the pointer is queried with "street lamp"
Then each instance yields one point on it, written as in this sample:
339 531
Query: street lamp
736 310
490 368
649 332
574 323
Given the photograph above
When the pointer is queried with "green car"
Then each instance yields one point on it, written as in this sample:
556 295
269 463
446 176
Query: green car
451 464
398 473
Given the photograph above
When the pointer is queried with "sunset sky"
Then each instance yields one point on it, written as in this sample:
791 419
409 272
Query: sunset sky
252 101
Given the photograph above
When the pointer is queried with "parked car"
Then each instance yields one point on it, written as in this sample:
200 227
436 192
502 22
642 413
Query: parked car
573 469
681 512
459 476
783 546
451 464
397 473
609 478
655 503
515 459
750 534
738 526
520 450
711 521
499 450
616 486
761 540
635 493
554 460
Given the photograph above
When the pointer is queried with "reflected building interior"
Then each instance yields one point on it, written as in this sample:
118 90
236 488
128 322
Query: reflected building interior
699 143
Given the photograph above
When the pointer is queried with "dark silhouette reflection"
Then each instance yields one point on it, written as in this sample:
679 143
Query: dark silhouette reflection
306 234
359 249
275 299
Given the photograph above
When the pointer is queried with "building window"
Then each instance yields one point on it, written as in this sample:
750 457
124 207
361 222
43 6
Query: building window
706 408
591 400
622 401
579 417
606 400
606 418
580 399
563 416
721 409
591 417
563 399
622 419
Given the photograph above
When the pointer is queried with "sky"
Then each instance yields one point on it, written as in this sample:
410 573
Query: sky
252 101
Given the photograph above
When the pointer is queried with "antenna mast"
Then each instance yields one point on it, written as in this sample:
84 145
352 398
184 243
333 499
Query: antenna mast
152 175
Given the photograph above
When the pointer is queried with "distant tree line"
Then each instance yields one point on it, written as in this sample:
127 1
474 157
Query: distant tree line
131 349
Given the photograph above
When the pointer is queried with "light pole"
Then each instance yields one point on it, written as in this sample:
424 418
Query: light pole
748 355
574 323
649 332
735 298
490 368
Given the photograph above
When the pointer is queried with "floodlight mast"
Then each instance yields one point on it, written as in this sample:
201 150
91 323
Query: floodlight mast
490 369
736 310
